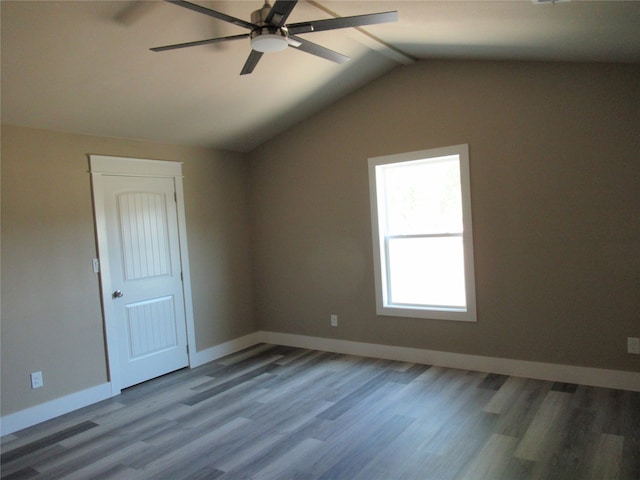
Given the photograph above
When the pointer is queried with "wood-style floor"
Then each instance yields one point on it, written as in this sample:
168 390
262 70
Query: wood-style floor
281 413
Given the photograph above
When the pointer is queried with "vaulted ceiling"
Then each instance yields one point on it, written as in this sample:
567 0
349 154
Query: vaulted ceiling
86 67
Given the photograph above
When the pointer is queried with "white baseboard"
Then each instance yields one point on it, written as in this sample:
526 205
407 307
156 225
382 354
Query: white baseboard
596 377
53 408
232 346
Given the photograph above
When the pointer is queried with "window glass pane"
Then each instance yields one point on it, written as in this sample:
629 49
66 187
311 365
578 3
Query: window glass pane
423 197
426 271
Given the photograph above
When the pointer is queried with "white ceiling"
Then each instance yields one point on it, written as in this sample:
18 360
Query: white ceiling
85 66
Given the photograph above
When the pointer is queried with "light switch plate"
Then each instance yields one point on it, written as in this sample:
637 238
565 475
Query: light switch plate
633 345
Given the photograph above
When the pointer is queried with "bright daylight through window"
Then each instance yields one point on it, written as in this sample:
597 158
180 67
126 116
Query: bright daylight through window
423 246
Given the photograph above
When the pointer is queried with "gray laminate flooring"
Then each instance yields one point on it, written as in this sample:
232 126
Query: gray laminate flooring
272 412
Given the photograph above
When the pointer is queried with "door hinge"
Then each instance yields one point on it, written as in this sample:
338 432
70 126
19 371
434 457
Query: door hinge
175 196
187 349
181 277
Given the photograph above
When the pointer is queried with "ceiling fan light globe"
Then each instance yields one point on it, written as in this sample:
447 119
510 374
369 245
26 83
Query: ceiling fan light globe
269 42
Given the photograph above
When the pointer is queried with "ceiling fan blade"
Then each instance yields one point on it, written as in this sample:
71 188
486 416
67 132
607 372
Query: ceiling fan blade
199 42
343 22
280 12
317 50
212 13
252 61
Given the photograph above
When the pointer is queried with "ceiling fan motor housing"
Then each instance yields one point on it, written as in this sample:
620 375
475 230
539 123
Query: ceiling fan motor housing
259 17
268 38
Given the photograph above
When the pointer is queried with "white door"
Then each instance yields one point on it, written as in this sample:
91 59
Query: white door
144 283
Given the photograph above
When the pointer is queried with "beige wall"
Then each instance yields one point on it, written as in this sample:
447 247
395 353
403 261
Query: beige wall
51 316
555 178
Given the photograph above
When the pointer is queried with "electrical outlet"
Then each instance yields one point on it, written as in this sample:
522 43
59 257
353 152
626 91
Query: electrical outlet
36 380
334 320
633 345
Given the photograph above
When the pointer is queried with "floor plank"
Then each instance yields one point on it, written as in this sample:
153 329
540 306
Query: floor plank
492 460
544 427
606 461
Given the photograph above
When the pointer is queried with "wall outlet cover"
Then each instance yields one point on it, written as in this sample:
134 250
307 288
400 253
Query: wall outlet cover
633 345
36 380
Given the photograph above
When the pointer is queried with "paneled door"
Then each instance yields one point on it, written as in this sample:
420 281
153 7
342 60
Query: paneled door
145 271
144 267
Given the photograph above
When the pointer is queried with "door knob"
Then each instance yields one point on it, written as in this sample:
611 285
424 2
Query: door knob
118 294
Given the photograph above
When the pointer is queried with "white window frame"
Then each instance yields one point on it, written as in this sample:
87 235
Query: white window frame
383 305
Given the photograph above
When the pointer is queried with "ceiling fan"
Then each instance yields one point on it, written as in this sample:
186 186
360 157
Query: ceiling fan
270 33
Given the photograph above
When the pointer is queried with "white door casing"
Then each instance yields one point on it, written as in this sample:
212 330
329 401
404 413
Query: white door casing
144 267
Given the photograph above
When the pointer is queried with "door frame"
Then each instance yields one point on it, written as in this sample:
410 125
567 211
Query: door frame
101 166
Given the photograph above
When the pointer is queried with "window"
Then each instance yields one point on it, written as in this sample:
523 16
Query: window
421 225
